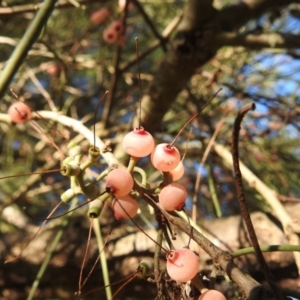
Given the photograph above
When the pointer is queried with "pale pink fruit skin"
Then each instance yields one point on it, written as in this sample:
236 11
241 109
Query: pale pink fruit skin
165 159
212 295
172 196
125 203
178 172
182 264
53 70
138 143
117 26
120 181
110 36
100 15
19 112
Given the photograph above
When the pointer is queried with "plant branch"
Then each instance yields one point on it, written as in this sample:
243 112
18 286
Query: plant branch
150 24
242 200
53 246
235 15
221 258
20 52
77 126
289 226
20 9
115 78
258 41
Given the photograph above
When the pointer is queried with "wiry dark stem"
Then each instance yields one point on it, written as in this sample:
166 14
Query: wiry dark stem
242 200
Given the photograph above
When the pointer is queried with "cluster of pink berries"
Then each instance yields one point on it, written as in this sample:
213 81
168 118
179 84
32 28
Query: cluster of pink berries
182 264
164 157
114 32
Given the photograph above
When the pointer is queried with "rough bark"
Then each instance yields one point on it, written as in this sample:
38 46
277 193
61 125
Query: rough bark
194 45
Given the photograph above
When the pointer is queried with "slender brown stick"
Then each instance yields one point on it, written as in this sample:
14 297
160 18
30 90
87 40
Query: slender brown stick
117 74
150 24
242 200
80 285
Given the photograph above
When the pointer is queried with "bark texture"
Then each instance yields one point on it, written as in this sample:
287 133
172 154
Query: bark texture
198 38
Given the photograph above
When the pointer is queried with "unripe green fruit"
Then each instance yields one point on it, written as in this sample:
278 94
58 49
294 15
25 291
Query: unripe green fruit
145 268
70 167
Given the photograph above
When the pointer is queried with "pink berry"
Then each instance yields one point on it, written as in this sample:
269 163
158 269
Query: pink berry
165 157
138 143
117 26
182 264
172 196
125 207
178 172
54 70
212 295
100 15
19 112
110 36
119 182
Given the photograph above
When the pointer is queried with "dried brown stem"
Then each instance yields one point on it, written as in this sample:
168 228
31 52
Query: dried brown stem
151 24
223 260
116 76
242 200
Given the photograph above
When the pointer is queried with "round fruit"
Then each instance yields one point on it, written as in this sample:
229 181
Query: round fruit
100 15
110 36
212 295
19 112
125 207
165 157
178 172
172 196
119 182
117 26
138 143
182 264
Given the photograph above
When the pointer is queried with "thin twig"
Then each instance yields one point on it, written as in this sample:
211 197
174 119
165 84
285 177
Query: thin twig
198 178
151 25
155 44
242 200
117 74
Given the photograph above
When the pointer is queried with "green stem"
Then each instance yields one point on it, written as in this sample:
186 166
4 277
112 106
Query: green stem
268 248
142 173
20 52
213 192
103 260
157 253
132 162
53 247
